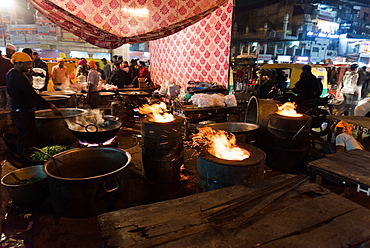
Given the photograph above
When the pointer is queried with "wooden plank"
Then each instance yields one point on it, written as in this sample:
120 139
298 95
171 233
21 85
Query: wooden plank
337 233
181 220
274 225
354 165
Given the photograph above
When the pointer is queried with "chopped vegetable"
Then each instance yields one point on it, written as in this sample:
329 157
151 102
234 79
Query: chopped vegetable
51 150
26 181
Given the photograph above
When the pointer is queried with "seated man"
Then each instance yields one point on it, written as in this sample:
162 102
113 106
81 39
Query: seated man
344 141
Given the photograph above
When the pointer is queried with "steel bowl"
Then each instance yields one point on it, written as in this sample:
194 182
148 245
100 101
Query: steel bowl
244 132
30 192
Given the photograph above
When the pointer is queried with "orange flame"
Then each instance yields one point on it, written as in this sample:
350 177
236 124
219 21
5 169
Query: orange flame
288 109
156 112
223 144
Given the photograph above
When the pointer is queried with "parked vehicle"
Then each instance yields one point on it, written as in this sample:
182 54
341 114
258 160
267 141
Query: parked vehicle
317 108
293 72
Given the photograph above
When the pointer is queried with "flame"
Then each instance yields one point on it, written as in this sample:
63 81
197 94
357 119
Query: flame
156 112
288 109
221 144
106 143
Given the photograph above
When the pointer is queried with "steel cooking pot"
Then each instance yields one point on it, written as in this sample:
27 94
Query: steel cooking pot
51 129
244 132
70 103
96 135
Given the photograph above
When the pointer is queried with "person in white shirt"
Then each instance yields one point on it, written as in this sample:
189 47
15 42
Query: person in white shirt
344 141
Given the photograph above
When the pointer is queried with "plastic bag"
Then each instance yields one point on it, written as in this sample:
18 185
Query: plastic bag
230 101
218 100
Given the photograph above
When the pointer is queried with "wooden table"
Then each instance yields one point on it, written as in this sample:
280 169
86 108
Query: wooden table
305 216
195 114
362 123
350 169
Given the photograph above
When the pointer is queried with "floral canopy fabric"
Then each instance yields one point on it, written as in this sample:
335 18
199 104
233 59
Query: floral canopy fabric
112 23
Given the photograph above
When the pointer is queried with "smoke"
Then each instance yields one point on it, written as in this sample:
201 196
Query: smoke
92 117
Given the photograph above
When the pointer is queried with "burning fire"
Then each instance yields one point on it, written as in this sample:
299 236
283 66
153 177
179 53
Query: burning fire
221 144
288 109
156 112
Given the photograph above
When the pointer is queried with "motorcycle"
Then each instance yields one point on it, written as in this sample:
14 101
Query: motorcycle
317 108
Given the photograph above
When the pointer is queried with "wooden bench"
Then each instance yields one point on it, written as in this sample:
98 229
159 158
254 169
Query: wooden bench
300 214
350 169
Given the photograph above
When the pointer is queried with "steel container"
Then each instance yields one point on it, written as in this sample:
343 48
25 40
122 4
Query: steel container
61 101
71 103
52 129
88 181
244 132
26 193
258 112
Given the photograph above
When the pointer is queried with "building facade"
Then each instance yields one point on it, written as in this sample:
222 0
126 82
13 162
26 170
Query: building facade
302 31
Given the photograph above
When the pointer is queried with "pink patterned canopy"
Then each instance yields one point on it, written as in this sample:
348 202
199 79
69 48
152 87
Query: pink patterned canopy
112 23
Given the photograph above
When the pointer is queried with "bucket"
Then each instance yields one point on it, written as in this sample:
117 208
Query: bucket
26 192
258 112
244 132
87 182
286 150
162 150
214 173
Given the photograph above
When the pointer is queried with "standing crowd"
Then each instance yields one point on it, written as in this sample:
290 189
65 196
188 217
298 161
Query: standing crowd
18 71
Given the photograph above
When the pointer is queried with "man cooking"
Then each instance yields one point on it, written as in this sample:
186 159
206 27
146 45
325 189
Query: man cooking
24 102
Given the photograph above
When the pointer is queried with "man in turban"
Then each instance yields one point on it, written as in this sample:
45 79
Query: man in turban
60 75
344 141
24 102
9 49
92 84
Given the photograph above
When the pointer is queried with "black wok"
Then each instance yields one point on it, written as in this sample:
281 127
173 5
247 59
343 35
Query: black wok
94 135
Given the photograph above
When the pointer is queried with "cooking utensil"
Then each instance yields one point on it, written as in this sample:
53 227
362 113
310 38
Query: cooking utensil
94 135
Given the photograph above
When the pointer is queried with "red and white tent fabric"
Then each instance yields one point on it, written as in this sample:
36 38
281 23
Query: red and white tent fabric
112 23
197 53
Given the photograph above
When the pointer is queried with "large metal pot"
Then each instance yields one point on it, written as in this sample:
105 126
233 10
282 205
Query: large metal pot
96 135
52 129
26 192
244 132
88 181
58 100
71 103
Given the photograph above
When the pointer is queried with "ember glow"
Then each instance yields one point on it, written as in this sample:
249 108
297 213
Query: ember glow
156 112
288 109
221 144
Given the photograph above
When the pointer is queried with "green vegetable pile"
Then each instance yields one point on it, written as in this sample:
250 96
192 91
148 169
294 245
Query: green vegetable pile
51 150
26 181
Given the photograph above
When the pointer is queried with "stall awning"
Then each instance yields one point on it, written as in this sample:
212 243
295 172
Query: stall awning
112 23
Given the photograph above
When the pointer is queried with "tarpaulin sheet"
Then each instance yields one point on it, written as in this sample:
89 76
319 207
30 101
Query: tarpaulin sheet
112 23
